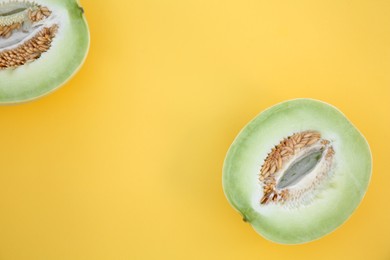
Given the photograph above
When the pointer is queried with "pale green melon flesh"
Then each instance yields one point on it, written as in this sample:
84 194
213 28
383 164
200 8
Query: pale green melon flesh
333 204
54 67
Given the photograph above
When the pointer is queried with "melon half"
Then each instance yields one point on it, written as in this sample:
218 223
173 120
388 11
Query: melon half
297 171
43 43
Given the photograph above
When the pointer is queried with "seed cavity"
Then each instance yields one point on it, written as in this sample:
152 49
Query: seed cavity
296 168
25 33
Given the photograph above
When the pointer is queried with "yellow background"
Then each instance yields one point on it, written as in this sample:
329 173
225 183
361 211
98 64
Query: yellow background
124 162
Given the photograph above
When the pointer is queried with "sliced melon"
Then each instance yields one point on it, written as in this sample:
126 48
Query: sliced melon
42 45
297 171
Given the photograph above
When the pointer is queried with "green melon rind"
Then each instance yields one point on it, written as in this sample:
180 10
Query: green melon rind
55 67
334 204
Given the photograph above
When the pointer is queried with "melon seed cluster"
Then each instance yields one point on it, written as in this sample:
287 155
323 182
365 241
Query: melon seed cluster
7 30
279 156
39 13
30 50
33 48
11 23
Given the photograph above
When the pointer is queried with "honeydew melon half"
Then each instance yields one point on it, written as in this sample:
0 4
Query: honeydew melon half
43 43
297 171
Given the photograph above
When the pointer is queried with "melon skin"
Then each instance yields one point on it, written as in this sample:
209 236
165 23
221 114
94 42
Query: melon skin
334 203
55 67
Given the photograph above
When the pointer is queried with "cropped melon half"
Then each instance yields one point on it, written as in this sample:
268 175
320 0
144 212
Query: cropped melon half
43 43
